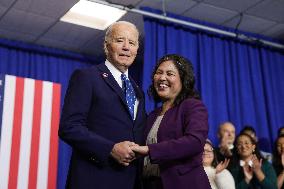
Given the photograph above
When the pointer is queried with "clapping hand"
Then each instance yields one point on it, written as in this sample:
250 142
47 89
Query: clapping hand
255 167
222 165
256 163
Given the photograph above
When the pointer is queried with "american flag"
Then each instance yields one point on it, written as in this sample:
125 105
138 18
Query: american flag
29 119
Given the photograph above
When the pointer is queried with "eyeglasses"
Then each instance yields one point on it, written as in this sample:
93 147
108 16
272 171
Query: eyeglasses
207 151
244 144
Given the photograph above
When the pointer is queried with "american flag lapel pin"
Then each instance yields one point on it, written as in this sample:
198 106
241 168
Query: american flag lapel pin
105 75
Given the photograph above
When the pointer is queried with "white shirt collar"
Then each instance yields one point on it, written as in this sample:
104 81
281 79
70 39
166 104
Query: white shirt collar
231 146
242 163
115 72
117 76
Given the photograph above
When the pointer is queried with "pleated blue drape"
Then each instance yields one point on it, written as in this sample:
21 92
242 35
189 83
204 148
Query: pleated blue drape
239 82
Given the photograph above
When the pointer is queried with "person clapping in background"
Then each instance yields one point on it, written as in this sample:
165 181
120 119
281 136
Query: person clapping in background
251 170
219 177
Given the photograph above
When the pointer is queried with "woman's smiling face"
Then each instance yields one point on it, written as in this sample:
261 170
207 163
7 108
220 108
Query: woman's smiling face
245 146
167 81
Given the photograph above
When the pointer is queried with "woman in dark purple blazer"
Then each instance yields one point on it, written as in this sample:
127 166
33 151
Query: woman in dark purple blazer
175 132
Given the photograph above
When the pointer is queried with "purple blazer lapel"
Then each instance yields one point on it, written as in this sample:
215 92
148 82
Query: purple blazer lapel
152 118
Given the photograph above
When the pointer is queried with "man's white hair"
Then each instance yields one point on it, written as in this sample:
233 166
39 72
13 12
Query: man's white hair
109 30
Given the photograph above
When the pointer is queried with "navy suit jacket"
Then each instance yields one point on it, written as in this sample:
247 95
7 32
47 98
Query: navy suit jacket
181 138
95 116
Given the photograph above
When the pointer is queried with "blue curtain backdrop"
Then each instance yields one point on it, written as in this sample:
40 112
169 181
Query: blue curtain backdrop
48 64
239 82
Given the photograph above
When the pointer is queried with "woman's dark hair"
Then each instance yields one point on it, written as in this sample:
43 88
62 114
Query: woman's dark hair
185 69
253 141
280 131
248 128
277 157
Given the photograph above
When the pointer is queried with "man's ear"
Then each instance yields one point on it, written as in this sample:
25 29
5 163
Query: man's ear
105 47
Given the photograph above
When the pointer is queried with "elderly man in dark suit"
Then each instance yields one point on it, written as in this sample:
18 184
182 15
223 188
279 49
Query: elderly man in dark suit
104 115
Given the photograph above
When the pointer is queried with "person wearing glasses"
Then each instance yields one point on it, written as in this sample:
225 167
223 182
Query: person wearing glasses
251 170
219 177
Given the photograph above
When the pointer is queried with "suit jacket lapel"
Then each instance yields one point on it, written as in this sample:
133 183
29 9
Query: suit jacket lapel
136 88
139 96
109 79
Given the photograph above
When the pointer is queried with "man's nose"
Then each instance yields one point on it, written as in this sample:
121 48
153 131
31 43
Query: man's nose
125 45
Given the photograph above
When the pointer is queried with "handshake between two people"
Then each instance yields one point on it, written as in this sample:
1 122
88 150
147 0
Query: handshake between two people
125 152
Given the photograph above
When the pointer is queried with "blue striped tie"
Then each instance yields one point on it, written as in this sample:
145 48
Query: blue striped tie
129 94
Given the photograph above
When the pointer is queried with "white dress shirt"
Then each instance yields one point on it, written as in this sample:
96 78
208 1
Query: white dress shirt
117 76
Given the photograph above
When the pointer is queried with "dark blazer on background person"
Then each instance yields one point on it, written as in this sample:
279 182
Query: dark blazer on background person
95 116
178 151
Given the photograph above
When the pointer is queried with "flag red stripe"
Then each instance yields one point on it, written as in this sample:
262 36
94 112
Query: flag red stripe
16 135
52 169
35 135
